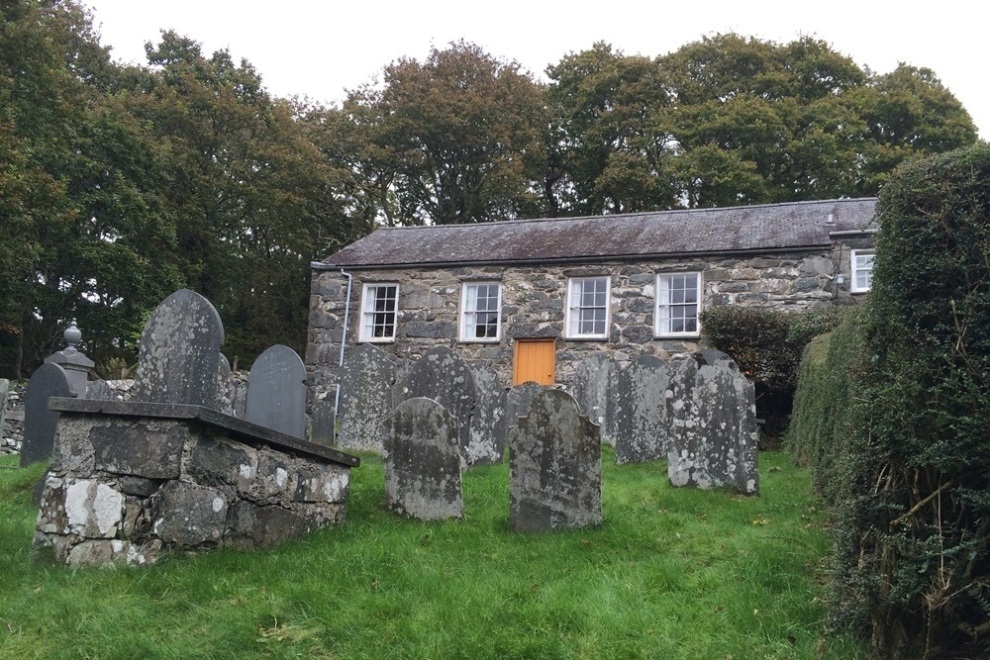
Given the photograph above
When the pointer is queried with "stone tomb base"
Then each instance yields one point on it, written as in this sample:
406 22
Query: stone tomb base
131 480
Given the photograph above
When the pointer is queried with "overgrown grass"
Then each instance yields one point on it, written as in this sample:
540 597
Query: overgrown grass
673 573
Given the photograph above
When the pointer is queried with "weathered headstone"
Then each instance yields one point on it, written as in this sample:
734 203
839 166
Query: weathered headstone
555 467
442 375
518 400
276 395
423 461
488 420
225 386
322 429
594 391
99 390
713 428
641 425
367 380
40 423
179 353
4 392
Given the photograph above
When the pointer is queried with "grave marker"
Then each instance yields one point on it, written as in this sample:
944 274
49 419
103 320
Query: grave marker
367 380
641 425
276 394
555 467
40 423
179 353
423 461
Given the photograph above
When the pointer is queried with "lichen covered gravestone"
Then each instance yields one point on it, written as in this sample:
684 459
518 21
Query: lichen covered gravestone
40 423
423 461
714 436
518 400
276 395
367 380
179 353
488 420
442 375
594 390
555 467
641 425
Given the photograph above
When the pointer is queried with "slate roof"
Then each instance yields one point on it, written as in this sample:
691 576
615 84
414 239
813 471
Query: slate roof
743 229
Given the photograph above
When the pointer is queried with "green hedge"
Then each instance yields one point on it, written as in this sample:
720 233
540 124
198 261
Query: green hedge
908 463
824 406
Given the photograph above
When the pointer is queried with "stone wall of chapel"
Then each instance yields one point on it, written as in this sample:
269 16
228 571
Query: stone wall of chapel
533 305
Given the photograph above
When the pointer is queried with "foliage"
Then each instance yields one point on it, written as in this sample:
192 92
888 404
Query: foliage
825 410
673 573
728 120
767 345
455 139
913 540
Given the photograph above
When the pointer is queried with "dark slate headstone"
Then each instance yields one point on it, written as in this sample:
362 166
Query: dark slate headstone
423 461
713 428
276 395
594 390
488 420
555 467
442 375
641 425
518 400
367 380
40 423
179 353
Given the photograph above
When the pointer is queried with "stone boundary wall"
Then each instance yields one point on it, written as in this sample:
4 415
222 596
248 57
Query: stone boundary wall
131 480
533 301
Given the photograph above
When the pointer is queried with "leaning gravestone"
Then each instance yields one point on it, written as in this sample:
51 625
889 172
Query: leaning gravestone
442 375
366 385
99 390
714 436
641 426
276 395
488 420
555 467
423 461
594 391
179 354
40 423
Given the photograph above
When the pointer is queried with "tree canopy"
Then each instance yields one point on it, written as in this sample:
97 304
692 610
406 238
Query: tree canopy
121 183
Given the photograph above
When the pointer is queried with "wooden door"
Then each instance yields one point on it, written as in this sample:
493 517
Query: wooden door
535 361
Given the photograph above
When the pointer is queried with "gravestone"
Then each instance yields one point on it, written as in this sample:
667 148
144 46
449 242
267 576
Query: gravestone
225 386
367 380
555 467
641 425
99 390
276 394
594 391
322 430
4 392
488 420
443 376
713 438
179 354
518 400
40 423
423 461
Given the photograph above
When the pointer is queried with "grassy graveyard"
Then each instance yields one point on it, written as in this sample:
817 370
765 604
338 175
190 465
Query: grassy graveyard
673 573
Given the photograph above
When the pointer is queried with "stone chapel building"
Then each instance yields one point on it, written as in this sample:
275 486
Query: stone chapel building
531 298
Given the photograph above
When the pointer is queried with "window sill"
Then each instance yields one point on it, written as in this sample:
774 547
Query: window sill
377 340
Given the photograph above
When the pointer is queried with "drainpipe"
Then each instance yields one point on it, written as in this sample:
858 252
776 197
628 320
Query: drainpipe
343 339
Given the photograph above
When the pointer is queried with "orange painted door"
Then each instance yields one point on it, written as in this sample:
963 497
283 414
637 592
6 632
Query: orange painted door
535 361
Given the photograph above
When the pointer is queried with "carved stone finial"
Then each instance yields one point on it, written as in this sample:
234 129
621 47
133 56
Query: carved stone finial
72 337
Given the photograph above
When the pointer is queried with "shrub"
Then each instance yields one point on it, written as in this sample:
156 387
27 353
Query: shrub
912 562
767 346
